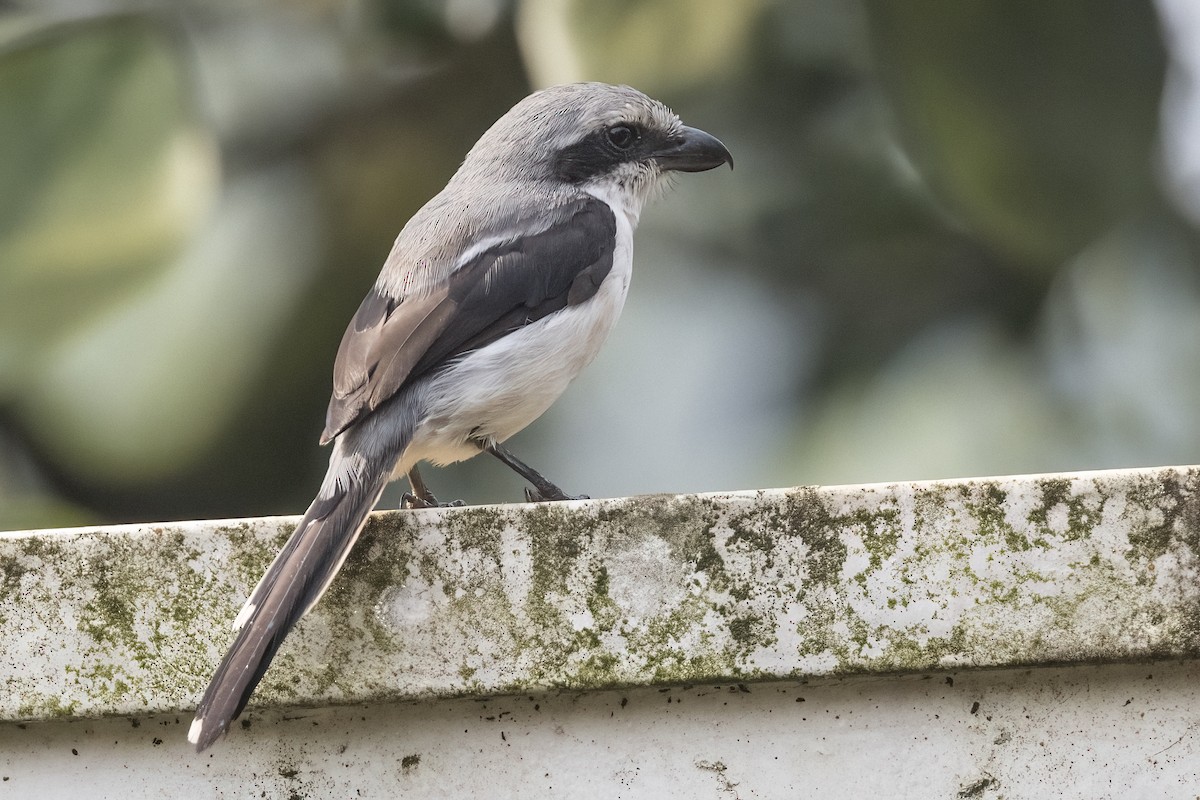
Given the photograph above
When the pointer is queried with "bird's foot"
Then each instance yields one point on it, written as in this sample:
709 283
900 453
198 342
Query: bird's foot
542 489
421 497
549 493
409 500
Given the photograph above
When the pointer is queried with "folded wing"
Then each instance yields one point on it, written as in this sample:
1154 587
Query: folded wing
394 340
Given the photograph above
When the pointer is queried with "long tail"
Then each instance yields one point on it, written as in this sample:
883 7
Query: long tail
290 587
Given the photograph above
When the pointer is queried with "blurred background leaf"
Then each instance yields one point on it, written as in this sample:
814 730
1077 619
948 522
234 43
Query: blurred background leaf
1035 124
106 175
960 240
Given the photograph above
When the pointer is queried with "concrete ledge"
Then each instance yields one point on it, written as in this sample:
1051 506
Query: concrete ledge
717 589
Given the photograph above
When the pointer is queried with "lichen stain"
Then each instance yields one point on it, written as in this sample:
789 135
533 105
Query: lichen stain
605 612
141 600
1058 492
378 563
683 522
250 553
1175 528
1179 505
805 514
986 505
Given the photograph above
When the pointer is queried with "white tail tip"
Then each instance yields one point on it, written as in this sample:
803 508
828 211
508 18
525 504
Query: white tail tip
244 616
194 731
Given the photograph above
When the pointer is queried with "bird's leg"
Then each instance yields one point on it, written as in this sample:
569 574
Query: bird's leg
421 497
543 489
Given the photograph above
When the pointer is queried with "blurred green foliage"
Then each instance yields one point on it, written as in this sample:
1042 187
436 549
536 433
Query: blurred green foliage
951 245
106 178
1036 130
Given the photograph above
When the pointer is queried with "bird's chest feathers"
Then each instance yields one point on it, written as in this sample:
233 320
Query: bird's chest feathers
626 208
610 299
557 347
497 390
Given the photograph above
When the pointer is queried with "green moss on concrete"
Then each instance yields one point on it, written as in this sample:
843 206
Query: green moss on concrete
915 654
379 562
48 707
556 540
751 631
807 515
684 523
657 646
750 534
881 532
475 528
986 506
1056 492
604 611
1178 520
250 554
598 671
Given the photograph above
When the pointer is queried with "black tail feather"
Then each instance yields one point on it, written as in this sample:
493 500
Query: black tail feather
290 586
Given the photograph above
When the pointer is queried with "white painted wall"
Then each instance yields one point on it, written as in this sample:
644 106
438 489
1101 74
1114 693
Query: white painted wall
1087 732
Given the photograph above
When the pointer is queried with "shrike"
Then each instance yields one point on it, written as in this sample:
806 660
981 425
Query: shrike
494 296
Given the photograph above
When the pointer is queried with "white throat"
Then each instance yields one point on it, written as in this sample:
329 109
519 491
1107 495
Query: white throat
624 201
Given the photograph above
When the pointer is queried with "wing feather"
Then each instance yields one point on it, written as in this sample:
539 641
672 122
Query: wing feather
392 341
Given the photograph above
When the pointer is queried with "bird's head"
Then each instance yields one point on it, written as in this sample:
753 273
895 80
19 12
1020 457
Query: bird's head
595 136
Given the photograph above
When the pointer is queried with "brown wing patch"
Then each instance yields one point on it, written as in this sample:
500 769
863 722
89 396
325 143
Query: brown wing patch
378 336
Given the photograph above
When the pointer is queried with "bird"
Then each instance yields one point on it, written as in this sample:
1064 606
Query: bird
495 295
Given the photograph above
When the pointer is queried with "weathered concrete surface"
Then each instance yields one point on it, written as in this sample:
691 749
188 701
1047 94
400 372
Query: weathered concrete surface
782 584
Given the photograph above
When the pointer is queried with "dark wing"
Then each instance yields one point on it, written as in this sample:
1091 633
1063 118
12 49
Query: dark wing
391 342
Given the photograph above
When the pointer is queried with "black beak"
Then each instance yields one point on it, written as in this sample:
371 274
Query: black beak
693 150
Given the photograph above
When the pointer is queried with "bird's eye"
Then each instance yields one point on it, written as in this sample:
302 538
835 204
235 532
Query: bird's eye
622 136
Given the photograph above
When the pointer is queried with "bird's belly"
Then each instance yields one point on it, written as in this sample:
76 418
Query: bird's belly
497 390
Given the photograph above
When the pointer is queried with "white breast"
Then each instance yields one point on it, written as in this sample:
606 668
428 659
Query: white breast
497 390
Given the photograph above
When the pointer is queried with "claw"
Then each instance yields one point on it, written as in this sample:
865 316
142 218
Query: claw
534 496
409 500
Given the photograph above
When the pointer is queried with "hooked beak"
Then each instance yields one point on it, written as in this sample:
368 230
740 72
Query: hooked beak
693 150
